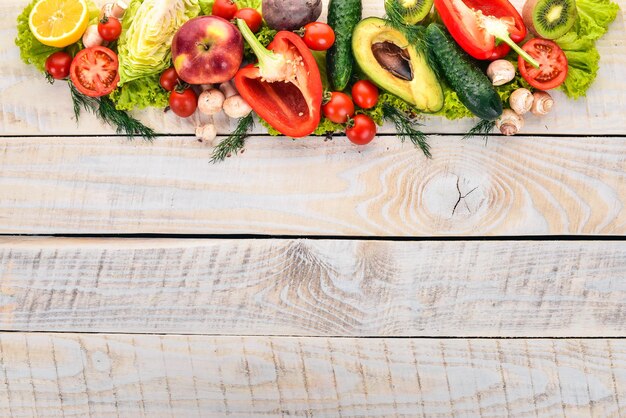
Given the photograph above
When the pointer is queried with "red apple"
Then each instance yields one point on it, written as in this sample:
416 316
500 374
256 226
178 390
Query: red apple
207 50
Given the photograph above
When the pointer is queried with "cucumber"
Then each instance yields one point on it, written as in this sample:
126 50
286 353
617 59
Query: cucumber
471 85
343 15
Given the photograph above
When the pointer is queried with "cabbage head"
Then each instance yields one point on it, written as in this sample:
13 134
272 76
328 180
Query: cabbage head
144 48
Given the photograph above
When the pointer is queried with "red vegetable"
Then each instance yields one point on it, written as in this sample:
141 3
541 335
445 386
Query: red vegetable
361 130
183 102
94 71
58 65
252 18
462 17
225 9
285 89
552 71
318 36
109 28
365 94
339 107
169 79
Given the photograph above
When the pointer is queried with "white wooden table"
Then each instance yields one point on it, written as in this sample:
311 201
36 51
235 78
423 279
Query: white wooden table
311 278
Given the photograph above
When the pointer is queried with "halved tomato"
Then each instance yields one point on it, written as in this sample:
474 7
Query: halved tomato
94 71
552 69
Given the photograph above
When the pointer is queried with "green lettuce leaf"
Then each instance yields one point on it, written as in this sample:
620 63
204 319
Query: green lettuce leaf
148 28
583 59
206 6
140 93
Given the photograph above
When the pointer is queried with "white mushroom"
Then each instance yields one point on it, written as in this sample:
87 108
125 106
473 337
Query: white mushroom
521 101
206 133
92 37
234 105
509 122
119 8
500 72
542 103
210 102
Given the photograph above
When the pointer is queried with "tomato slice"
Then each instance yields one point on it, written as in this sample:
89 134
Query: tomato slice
94 71
552 69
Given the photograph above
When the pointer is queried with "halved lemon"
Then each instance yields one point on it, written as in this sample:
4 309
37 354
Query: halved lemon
59 22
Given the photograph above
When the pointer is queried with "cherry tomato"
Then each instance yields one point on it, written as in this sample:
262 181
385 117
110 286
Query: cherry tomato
183 103
169 79
318 36
361 130
58 65
109 28
339 108
252 17
365 94
552 69
225 9
94 71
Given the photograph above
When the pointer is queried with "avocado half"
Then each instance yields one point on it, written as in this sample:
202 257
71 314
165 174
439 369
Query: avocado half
384 55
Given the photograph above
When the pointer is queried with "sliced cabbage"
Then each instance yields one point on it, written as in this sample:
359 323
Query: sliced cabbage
148 28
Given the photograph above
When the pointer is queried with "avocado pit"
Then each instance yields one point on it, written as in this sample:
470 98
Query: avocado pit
393 59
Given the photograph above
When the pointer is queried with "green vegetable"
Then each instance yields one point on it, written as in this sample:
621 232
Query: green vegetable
583 58
471 85
147 31
139 94
235 141
105 110
453 108
33 52
343 16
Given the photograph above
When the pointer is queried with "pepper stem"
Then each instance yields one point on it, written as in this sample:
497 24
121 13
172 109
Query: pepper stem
495 27
519 50
263 54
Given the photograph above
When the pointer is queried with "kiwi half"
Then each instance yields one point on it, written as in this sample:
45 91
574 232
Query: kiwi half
410 12
549 19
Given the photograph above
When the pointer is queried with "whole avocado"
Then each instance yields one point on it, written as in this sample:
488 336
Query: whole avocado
290 14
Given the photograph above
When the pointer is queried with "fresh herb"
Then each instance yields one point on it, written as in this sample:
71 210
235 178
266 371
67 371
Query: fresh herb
105 110
235 141
406 128
481 129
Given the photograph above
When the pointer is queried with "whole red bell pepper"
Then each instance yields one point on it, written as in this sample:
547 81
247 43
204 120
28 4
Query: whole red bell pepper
465 20
285 87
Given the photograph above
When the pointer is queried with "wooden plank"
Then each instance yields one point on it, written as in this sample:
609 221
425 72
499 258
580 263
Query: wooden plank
50 113
314 287
505 187
104 375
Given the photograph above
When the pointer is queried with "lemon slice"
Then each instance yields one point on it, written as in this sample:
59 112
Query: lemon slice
59 22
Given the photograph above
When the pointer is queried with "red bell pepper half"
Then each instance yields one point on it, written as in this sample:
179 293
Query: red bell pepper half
485 29
285 88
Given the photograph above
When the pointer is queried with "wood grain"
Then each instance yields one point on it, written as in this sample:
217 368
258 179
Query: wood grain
30 106
522 186
314 287
157 376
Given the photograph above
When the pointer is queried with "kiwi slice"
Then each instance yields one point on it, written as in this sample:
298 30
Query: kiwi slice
410 12
549 19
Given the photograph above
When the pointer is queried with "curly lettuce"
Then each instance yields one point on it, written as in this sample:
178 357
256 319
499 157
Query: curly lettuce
140 93
144 48
583 59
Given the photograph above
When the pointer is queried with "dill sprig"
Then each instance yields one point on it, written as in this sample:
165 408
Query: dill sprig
235 141
105 110
406 128
481 129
